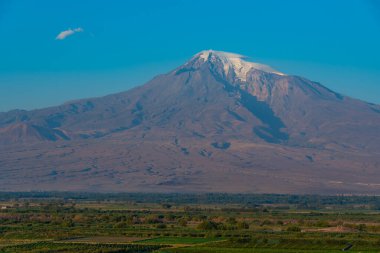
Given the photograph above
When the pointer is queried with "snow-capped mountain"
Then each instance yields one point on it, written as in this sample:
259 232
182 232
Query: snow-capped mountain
235 63
219 122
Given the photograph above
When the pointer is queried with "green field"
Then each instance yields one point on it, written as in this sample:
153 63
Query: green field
194 224
242 250
178 240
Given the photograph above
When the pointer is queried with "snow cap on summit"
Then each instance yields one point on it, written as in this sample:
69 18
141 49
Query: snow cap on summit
236 62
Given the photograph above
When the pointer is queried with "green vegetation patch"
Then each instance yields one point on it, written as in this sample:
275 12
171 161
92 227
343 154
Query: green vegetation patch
233 224
50 247
178 240
250 250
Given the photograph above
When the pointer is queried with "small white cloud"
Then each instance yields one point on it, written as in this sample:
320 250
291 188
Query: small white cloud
64 34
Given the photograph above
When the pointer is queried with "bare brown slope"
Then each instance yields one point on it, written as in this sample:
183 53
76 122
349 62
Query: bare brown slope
199 129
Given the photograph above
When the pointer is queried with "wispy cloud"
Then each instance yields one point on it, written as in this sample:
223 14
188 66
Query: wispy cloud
64 34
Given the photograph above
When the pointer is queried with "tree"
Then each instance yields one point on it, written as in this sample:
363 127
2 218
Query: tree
208 225
242 225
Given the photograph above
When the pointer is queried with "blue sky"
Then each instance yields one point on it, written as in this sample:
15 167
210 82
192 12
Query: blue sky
125 43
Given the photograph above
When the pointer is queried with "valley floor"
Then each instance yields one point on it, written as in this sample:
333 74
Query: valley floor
193 224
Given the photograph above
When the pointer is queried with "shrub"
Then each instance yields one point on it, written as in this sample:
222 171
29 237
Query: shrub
293 229
208 225
182 222
161 226
242 225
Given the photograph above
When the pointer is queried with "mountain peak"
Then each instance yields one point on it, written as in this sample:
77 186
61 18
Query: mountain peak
196 129
239 64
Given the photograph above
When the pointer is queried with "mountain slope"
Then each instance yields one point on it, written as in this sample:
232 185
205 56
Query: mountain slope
216 123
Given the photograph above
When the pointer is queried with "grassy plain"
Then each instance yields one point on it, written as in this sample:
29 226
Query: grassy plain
190 224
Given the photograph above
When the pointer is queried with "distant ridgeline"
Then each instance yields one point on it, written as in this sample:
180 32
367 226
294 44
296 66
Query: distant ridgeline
248 200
